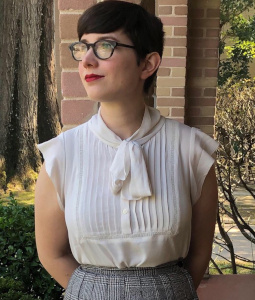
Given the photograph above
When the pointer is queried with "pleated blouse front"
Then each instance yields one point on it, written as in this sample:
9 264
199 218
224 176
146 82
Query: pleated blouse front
129 203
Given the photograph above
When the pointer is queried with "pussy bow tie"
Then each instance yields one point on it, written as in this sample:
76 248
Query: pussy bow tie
128 171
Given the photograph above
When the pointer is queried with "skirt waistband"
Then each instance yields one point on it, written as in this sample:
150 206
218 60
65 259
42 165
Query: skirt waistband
140 271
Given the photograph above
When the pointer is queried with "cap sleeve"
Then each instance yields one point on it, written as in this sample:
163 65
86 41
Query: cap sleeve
202 148
53 152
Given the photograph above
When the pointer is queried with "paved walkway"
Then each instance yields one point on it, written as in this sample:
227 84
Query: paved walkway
242 246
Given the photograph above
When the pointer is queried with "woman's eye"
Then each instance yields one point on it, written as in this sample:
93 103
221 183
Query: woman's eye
79 48
106 45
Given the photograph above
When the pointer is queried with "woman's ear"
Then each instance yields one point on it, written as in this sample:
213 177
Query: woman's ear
150 64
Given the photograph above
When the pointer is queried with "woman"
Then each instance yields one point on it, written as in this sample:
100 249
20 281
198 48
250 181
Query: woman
125 203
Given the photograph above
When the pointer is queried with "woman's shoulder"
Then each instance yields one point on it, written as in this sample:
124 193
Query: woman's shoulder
182 130
75 131
186 132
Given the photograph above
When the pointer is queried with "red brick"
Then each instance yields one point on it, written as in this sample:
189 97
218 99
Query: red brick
164 111
174 21
212 52
193 111
203 111
165 10
179 72
77 111
177 112
75 4
181 10
213 13
68 26
178 92
196 32
197 101
192 121
194 92
203 43
173 62
171 101
71 85
164 72
195 53
212 32
172 2
211 72
210 92
196 13
179 42
180 31
195 72
66 60
207 23
180 52
203 63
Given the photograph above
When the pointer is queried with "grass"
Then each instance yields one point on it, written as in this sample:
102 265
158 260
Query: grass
23 197
226 268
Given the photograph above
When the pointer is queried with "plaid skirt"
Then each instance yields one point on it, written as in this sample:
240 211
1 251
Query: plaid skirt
170 281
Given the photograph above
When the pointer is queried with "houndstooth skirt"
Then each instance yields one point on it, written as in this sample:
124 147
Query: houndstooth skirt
165 282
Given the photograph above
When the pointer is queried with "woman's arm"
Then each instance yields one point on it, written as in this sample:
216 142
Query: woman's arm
203 225
51 232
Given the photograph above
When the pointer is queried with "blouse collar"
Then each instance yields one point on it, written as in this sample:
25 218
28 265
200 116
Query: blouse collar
128 171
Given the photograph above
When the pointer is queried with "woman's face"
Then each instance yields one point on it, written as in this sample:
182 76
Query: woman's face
116 78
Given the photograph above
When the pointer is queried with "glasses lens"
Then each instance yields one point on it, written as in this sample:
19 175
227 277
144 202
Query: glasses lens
79 50
104 49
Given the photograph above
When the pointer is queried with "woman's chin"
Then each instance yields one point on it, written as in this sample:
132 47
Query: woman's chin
99 98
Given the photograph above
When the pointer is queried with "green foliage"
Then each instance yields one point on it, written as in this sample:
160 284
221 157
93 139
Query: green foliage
242 28
242 51
229 9
18 254
13 289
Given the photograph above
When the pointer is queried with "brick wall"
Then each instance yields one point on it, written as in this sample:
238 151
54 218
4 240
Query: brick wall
171 79
75 106
187 77
202 70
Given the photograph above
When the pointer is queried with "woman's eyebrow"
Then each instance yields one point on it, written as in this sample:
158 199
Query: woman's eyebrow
106 37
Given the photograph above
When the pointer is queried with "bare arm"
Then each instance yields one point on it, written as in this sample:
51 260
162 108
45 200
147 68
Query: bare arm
51 232
203 225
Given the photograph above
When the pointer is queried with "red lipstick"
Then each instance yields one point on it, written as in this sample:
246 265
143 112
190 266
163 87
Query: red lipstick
92 77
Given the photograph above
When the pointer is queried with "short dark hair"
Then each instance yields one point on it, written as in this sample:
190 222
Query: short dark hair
144 29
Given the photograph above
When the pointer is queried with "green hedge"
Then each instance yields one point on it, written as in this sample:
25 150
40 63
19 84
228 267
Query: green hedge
20 270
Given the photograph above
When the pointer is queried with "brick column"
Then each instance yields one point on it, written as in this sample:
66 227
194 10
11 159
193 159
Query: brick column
180 90
171 75
203 39
75 106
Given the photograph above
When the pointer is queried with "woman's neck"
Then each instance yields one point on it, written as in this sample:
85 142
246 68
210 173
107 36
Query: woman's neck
123 120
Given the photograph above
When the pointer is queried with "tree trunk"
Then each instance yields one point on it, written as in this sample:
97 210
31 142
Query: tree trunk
27 58
48 119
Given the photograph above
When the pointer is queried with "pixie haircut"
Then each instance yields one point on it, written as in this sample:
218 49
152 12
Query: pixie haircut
144 29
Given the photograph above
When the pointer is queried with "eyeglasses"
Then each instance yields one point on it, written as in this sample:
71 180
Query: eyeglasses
102 49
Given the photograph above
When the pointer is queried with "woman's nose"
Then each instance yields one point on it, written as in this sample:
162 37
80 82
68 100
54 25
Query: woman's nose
89 59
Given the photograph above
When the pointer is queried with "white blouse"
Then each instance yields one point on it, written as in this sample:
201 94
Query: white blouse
129 202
